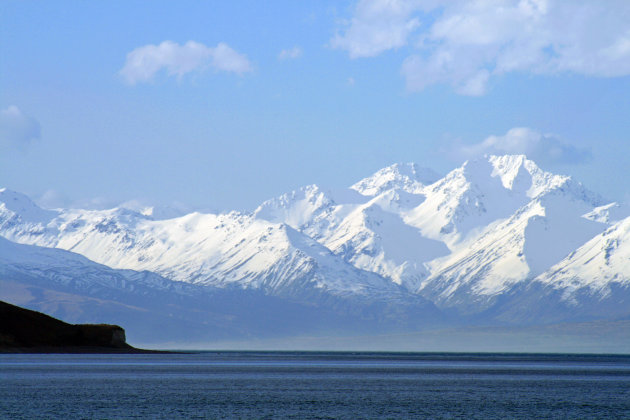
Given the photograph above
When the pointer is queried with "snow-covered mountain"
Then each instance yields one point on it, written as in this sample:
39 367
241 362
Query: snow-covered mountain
225 250
408 177
461 241
468 242
76 272
521 222
367 232
591 283
72 287
157 310
597 265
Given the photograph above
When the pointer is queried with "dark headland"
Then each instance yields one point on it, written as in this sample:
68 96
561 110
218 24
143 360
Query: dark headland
26 331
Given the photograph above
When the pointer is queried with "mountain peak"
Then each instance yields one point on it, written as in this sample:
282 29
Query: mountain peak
467 241
22 206
406 176
519 174
294 207
516 172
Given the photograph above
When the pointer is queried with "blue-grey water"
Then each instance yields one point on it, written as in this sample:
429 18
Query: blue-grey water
314 385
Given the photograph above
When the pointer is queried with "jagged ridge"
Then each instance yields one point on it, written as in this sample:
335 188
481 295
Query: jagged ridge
463 241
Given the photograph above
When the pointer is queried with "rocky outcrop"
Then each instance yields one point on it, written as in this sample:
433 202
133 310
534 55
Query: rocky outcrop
23 330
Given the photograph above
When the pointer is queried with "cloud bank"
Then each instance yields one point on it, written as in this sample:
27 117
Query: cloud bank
17 130
541 148
177 60
465 43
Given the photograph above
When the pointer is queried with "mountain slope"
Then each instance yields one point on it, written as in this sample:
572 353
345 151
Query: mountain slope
596 271
367 231
479 193
408 177
379 241
515 249
156 310
591 283
226 250
401 240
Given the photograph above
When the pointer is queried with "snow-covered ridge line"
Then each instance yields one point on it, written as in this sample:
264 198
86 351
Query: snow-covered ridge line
462 241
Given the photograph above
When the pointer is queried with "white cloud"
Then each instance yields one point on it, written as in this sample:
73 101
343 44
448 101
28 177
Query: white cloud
377 26
17 130
226 59
465 43
542 148
177 60
291 53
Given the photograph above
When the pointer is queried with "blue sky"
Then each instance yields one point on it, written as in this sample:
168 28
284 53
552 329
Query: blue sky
220 105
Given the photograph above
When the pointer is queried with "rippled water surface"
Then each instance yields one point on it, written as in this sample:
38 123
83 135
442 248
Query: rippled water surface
314 385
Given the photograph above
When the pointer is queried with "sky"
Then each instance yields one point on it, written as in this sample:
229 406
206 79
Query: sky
222 105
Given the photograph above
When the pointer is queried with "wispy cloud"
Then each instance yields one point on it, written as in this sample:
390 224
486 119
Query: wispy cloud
542 148
464 43
17 130
177 60
52 199
290 54
377 26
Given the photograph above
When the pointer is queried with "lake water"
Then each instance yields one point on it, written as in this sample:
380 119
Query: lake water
314 385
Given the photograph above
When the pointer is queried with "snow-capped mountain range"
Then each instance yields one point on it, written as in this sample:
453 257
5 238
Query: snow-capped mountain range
491 237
